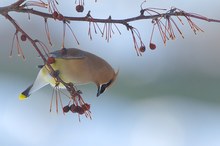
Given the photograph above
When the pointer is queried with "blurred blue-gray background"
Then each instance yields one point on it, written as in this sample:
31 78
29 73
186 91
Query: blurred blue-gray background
167 97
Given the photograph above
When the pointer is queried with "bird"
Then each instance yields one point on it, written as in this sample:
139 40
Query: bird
76 66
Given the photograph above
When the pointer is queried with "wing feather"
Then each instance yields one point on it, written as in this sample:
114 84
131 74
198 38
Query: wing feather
70 53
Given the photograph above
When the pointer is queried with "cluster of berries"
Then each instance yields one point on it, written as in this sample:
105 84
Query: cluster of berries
76 108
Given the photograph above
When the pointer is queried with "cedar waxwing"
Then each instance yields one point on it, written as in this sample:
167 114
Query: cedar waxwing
76 66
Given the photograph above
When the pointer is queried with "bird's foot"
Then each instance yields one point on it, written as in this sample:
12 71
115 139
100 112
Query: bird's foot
56 73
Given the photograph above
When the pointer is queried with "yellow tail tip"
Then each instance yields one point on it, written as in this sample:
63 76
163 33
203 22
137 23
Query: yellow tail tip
22 96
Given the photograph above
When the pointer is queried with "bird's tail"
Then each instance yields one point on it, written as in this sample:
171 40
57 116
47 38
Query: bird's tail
25 93
38 83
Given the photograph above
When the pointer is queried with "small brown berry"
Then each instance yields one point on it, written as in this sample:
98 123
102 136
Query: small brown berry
79 110
86 107
23 37
66 109
73 108
50 60
152 46
55 14
142 49
79 8
60 17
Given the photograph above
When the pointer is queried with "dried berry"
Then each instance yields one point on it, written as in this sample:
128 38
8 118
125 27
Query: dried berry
142 49
50 60
66 109
86 107
152 46
79 8
73 108
55 14
79 110
23 37
60 17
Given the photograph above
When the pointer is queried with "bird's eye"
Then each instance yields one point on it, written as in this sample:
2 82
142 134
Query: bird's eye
102 89
104 86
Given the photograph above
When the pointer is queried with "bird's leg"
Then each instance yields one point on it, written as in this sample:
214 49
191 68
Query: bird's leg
56 73
79 92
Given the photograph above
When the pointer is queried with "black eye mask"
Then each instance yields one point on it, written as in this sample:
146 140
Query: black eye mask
103 87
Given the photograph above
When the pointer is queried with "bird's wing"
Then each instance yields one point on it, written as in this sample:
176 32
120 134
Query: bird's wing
70 53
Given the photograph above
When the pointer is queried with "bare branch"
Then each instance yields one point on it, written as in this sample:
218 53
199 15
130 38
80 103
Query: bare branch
120 21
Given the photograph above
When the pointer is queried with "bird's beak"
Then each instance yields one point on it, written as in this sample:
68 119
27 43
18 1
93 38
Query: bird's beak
98 93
